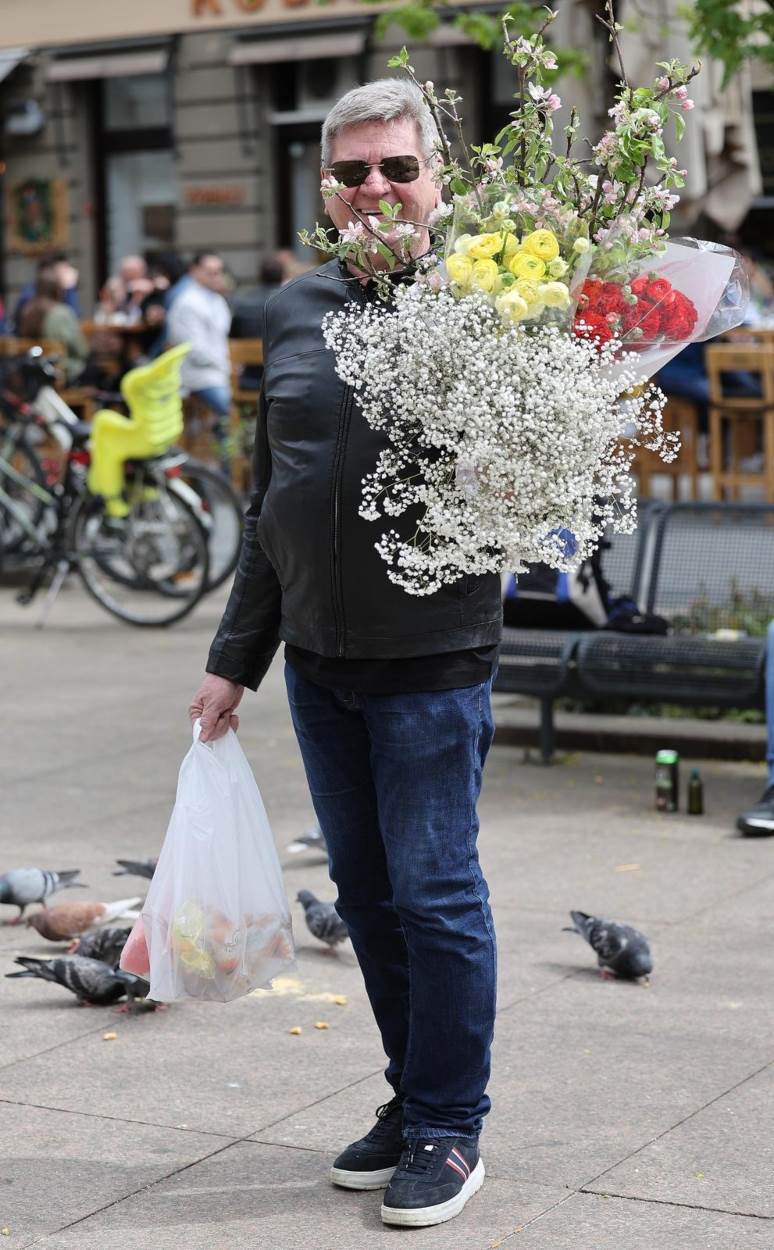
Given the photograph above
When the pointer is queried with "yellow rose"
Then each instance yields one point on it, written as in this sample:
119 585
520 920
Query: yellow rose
484 246
511 306
462 244
535 311
485 275
524 265
555 295
528 290
542 243
510 247
557 268
459 268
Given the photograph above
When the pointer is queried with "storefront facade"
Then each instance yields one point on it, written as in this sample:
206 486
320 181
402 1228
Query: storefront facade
205 137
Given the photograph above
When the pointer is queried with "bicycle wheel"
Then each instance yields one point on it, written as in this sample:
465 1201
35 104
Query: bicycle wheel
18 455
129 569
223 510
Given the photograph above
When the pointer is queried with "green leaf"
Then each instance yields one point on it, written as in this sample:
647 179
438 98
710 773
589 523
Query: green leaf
679 126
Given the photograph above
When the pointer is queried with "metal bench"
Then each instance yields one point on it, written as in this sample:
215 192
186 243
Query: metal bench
706 568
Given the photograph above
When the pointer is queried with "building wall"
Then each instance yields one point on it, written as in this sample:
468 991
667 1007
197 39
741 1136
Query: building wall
224 136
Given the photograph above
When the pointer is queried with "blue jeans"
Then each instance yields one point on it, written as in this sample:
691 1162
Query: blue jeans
394 780
770 701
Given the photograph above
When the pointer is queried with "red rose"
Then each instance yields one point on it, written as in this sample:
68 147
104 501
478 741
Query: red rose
640 284
650 324
679 319
611 299
632 315
592 290
660 291
589 325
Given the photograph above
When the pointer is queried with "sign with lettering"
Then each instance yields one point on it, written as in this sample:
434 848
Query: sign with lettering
213 194
55 24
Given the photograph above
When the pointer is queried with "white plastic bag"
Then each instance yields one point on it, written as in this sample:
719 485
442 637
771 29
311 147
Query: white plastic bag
216 920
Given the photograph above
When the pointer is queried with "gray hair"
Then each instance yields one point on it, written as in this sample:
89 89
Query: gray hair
385 100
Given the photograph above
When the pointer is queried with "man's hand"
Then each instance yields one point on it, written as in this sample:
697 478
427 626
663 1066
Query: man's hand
215 703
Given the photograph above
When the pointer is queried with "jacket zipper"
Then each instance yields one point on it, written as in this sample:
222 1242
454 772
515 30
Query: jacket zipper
361 296
338 465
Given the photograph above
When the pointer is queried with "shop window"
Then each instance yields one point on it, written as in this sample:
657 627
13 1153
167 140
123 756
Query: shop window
141 198
138 102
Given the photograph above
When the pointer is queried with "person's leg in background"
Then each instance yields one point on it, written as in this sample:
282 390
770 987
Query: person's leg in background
758 822
218 400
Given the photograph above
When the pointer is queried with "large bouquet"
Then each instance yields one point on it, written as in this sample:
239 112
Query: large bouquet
509 374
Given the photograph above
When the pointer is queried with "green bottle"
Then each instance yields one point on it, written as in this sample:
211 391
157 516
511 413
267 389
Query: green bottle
667 781
695 794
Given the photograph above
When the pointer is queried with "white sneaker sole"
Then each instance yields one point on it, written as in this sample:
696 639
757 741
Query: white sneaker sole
362 1180
423 1217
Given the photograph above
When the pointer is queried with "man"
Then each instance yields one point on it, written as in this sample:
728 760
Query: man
758 822
389 695
200 316
57 267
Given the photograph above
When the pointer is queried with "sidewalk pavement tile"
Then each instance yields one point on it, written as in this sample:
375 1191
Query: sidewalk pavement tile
721 1157
252 1197
208 1066
589 1222
55 1168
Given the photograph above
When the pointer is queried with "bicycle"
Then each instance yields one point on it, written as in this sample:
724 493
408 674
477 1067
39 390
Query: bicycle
146 561
207 491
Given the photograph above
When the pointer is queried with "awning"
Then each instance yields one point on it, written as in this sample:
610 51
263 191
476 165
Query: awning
298 48
108 65
9 59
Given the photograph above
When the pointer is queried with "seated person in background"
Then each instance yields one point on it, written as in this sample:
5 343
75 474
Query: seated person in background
758 822
247 321
47 316
137 284
66 276
110 302
166 272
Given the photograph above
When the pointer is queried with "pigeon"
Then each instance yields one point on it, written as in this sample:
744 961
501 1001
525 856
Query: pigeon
136 868
69 920
105 944
620 948
322 919
92 981
22 886
311 841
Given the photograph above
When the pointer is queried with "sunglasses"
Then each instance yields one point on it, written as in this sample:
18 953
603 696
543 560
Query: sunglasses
394 168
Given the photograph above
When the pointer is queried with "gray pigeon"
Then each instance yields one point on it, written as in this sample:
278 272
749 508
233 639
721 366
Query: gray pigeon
90 980
22 886
322 919
136 868
620 948
105 944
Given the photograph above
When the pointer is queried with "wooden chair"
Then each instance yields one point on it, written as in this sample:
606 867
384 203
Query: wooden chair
681 415
244 353
741 425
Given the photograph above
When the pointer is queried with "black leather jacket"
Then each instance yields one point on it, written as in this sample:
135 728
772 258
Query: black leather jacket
308 572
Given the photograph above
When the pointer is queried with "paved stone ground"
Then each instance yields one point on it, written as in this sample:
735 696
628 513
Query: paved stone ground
624 1118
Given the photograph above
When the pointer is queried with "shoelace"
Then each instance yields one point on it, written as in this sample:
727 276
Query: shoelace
383 1114
420 1159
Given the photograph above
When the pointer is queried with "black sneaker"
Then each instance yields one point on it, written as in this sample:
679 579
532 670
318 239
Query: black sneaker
433 1181
759 821
370 1162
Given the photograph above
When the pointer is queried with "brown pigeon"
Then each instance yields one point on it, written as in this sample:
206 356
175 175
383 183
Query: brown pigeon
68 920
